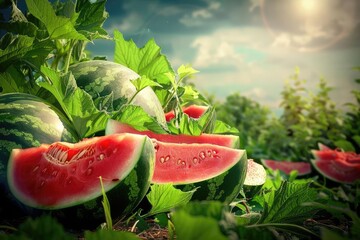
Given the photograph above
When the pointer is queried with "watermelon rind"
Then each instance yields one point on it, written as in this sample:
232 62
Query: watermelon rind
123 194
104 78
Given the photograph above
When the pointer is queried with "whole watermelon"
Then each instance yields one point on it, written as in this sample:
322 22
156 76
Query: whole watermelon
27 121
101 79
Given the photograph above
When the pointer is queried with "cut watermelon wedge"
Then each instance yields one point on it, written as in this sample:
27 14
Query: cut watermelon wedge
337 165
231 141
302 168
180 163
255 174
64 174
193 111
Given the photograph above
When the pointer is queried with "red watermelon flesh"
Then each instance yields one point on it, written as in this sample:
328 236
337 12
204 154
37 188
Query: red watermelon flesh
193 111
338 171
181 163
231 141
338 155
337 165
64 174
302 168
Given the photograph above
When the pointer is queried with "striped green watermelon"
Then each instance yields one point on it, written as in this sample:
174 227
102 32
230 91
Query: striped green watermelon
27 121
64 177
102 78
211 162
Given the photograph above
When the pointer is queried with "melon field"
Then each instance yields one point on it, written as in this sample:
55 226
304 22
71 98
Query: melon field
129 149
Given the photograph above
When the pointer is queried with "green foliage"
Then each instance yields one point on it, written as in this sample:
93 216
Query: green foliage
307 119
164 197
110 235
204 220
352 119
248 116
41 228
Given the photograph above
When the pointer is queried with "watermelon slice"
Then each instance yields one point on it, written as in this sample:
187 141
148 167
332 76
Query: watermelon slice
337 165
62 175
193 111
224 187
302 168
231 141
255 174
192 162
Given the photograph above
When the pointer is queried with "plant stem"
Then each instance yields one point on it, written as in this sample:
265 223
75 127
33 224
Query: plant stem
68 56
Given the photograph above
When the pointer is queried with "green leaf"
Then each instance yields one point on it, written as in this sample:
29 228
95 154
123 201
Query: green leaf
161 219
23 48
58 27
285 205
16 49
204 220
196 227
223 128
91 17
106 206
143 82
110 235
191 96
14 81
345 145
146 61
75 102
164 197
185 71
138 118
184 124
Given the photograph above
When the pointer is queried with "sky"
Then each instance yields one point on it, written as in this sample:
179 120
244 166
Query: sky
249 47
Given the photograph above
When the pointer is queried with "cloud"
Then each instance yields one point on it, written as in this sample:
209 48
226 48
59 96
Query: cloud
228 47
226 63
303 26
133 21
200 16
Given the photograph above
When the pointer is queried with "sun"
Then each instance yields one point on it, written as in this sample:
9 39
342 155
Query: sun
308 25
308 6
